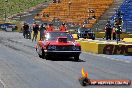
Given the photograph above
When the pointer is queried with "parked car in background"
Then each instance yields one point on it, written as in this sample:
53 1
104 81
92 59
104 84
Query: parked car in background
84 32
8 27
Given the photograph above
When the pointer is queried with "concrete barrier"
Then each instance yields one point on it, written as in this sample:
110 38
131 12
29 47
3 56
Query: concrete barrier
122 49
75 36
105 47
127 40
102 34
99 34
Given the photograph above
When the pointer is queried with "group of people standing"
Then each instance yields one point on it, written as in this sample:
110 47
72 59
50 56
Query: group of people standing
26 30
113 31
42 29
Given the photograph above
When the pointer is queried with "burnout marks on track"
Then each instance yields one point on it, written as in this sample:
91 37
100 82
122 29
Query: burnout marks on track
1 84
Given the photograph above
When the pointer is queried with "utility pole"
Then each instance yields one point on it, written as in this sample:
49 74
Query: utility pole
6 1
20 12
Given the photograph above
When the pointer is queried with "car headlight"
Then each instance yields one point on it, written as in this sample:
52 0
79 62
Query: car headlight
76 48
51 47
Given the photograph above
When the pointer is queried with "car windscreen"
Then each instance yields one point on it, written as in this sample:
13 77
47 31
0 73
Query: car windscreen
83 29
55 35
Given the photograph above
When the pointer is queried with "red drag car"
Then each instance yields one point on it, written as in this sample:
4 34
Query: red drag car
58 44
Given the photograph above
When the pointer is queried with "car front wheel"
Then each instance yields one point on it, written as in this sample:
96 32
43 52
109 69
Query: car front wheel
43 54
76 57
47 57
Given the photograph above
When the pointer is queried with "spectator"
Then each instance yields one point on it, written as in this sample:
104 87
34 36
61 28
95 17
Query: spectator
63 27
118 28
118 31
34 24
108 30
42 29
25 30
50 27
114 33
35 30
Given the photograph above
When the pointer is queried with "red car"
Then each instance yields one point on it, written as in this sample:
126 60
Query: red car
58 44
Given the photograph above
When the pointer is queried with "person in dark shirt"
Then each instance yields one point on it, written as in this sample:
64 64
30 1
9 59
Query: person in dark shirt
63 27
50 27
108 30
42 29
25 30
35 31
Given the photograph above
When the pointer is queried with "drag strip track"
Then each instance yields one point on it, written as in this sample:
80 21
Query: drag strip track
20 67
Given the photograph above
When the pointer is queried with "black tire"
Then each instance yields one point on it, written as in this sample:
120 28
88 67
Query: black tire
77 36
85 37
47 57
43 54
40 55
76 57
93 38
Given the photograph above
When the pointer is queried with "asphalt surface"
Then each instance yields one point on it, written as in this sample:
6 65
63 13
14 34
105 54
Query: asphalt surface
20 67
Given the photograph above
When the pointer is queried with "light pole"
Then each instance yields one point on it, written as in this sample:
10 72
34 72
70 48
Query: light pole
1 10
5 9
20 5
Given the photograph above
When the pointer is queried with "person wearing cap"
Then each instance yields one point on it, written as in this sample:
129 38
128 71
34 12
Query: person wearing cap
63 27
50 27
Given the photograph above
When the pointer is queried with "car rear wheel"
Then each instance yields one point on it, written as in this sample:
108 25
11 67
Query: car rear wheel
76 57
93 37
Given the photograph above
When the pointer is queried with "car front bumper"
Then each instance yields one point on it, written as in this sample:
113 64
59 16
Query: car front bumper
62 53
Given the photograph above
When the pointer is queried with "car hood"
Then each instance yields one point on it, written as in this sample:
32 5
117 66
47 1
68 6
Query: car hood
63 43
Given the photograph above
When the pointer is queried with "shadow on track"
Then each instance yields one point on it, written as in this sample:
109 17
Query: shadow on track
64 59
